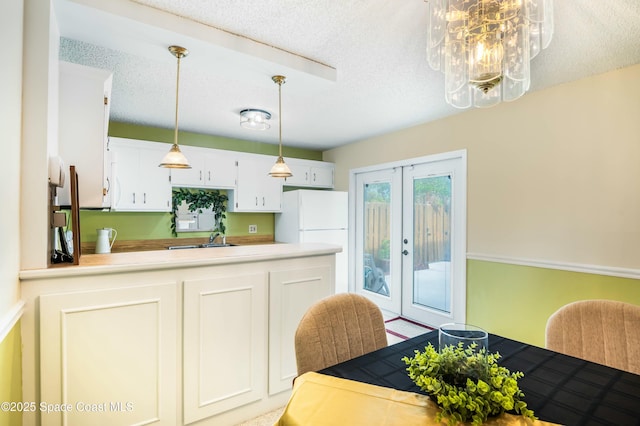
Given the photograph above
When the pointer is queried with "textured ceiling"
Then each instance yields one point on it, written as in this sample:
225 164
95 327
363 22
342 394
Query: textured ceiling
354 68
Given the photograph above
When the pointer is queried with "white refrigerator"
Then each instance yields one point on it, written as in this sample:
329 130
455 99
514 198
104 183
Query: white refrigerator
316 216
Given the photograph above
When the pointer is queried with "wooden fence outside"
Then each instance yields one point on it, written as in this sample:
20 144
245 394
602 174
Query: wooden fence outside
432 241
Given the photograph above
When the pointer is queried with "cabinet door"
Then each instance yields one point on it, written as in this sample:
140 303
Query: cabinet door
124 160
322 176
224 357
193 177
291 293
271 191
255 190
154 182
300 174
310 173
83 117
139 184
111 355
220 169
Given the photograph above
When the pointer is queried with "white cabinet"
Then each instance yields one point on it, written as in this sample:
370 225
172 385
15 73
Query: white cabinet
83 114
256 191
210 168
224 343
175 344
309 173
139 184
305 286
110 355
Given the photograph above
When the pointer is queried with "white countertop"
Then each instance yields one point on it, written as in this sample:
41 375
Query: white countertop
94 264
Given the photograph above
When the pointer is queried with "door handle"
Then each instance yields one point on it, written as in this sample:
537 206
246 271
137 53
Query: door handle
405 252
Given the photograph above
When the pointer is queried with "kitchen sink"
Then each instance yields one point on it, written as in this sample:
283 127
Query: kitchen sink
192 246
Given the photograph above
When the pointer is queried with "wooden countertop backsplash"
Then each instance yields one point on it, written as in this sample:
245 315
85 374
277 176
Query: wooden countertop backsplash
161 244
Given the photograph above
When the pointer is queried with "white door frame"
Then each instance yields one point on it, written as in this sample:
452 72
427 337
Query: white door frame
459 297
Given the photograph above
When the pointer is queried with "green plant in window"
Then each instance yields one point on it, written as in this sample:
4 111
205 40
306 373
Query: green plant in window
199 200
468 385
384 250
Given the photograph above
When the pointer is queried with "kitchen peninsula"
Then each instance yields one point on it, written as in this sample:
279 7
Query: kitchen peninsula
194 336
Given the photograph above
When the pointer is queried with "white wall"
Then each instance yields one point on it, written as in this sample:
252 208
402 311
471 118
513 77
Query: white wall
10 134
39 130
553 176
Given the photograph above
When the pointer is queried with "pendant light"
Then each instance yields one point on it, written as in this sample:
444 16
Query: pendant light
175 159
280 169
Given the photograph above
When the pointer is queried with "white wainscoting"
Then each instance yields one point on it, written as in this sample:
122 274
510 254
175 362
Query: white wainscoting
563 266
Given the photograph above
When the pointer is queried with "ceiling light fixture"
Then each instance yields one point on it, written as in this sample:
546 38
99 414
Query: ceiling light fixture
280 169
175 159
484 47
255 119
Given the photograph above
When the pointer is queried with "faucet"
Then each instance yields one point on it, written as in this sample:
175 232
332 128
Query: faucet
213 237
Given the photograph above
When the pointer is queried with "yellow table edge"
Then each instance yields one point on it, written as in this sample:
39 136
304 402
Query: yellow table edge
321 400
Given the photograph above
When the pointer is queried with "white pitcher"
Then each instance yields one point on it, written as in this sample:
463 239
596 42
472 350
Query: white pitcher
103 245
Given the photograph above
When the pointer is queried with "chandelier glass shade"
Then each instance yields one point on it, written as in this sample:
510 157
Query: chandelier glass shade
280 168
484 47
175 159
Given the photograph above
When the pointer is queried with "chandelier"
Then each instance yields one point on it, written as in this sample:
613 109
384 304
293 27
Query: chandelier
484 47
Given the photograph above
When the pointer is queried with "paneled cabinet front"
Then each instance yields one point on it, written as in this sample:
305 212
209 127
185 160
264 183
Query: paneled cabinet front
210 345
210 168
109 356
304 286
83 122
224 343
140 185
308 173
256 191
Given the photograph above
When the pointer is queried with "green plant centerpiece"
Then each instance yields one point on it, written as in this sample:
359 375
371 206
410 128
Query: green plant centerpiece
197 200
467 384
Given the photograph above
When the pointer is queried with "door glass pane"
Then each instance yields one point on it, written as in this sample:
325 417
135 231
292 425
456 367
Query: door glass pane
432 244
377 234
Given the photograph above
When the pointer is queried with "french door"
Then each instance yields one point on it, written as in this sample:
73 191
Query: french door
410 238
379 226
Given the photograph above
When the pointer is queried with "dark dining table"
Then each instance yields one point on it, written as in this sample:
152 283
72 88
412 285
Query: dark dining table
558 388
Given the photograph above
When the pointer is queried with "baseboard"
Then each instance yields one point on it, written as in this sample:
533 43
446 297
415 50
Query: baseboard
10 319
563 266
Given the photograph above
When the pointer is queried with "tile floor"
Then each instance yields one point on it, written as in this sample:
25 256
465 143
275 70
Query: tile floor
398 329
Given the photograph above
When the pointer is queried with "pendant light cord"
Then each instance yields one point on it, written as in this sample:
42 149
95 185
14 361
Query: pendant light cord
280 117
175 135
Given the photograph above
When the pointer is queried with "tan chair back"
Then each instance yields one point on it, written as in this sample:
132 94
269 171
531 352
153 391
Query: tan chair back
602 331
336 329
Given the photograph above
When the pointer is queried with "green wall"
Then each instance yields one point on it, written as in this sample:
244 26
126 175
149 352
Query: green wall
10 371
132 131
516 301
138 225
152 226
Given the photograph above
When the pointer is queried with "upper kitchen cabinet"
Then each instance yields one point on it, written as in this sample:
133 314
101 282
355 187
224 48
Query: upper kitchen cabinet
210 168
309 173
83 114
256 191
138 183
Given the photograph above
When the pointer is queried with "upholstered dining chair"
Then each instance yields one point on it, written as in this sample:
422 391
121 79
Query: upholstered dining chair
602 331
338 328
